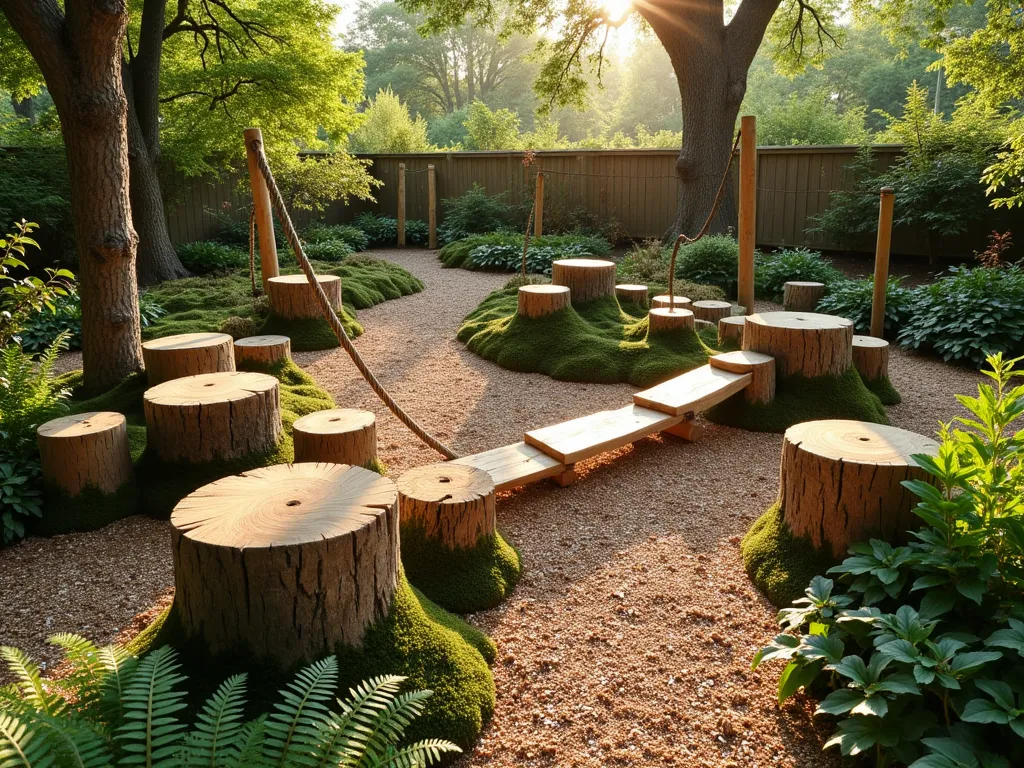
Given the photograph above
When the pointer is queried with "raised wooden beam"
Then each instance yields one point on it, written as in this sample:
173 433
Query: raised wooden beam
261 206
431 207
588 436
513 465
538 206
885 204
401 205
747 211
692 392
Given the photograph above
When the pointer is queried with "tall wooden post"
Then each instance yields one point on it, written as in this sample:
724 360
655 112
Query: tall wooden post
748 212
261 205
431 207
401 205
538 207
885 203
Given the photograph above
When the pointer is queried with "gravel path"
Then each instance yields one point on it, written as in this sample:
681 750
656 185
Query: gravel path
629 640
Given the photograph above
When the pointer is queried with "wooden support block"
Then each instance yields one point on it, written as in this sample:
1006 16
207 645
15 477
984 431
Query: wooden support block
567 477
85 451
712 311
871 357
761 368
637 294
587 279
664 319
730 329
540 300
336 436
692 392
513 465
292 297
452 503
800 296
579 439
663 300
686 430
262 350
802 343
187 354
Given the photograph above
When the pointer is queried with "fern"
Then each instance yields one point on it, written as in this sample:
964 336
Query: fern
294 730
346 734
151 734
250 744
216 737
30 682
424 752
75 742
28 396
389 724
22 744
118 668
87 671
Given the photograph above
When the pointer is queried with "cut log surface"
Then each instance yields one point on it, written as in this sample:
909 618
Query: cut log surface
86 450
513 465
712 311
540 300
840 482
262 350
286 563
292 297
800 296
587 279
631 292
693 391
338 436
665 319
730 329
453 503
581 438
871 357
187 354
802 343
214 416
761 368
662 300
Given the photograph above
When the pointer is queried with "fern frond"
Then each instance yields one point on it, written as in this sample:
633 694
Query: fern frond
30 682
151 733
75 742
118 667
390 723
344 737
214 739
250 744
294 729
421 753
23 743
85 678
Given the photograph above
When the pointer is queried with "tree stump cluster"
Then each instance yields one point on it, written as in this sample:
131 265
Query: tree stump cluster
730 329
262 350
761 388
587 279
802 343
665 319
293 298
871 357
540 300
802 296
663 301
337 436
85 451
286 563
711 311
637 294
452 503
187 354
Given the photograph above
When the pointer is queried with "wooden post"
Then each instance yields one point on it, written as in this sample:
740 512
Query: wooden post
432 206
401 205
885 203
261 205
748 212
538 207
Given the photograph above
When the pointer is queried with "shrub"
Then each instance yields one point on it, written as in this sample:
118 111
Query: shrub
646 263
42 328
22 294
474 212
355 237
206 256
712 260
773 270
969 314
239 327
852 299
382 231
331 251
388 127
503 251
416 233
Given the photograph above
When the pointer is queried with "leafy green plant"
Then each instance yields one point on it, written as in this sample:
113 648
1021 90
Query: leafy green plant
382 231
355 237
330 251
417 233
206 256
852 299
150 310
712 260
20 494
503 251
22 296
773 270
41 328
474 212
645 263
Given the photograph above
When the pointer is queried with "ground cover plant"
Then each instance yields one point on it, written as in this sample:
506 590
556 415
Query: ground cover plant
382 231
712 260
852 299
918 650
503 251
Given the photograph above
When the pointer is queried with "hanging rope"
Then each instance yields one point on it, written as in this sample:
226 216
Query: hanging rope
332 317
252 252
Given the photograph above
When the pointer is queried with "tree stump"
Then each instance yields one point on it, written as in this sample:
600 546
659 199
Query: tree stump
712 311
213 416
761 388
730 329
587 279
663 299
840 482
293 298
262 350
540 300
636 294
285 563
453 503
337 436
802 296
871 357
85 451
665 319
802 343
187 354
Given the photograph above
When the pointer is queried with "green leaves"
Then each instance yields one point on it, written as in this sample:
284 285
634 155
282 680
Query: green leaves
1001 709
819 603
1012 638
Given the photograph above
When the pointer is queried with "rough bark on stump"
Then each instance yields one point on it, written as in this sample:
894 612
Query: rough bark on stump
802 343
662 301
665 319
712 311
453 503
730 329
262 350
587 279
840 482
187 354
800 296
540 300
213 416
86 450
293 298
761 368
871 357
632 292
337 436
286 563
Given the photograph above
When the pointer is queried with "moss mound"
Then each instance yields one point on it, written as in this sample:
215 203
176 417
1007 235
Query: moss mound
780 564
799 399
310 334
884 391
461 580
600 341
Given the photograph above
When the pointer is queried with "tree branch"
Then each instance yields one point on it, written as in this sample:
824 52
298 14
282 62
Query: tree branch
746 30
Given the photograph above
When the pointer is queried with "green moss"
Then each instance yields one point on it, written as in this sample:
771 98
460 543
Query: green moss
90 510
479 640
313 333
780 564
884 390
460 580
799 399
599 341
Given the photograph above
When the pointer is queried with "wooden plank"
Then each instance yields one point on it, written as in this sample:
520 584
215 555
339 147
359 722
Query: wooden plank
513 465
692 392
600 432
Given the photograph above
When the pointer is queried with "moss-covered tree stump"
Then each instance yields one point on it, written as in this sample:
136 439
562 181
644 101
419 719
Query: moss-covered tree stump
215 416
540 300
293 298
664 300
451 549
86 451
338 436
730 329
284 564
262 350
798 296
633 293
711 311
187 354
802 343
663 319
587 279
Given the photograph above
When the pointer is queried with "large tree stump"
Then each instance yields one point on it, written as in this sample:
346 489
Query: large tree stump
802 343
262 350
871 357
730 329
85 451
337 436
800 296
761 388
711 311
285 563
663 300
840 482
540 300
293 298
587 279
637 294
187 354
214 416
665 319
452 503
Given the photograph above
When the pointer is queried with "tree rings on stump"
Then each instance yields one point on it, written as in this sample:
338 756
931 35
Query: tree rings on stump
730 329
453 503
285 563
841 482
187 354
871 357
262 350
214 416
85 451
540 300
761 388
802 343
712 311
800 296
587 279
337 436
662 300
665 319
637 294
293 298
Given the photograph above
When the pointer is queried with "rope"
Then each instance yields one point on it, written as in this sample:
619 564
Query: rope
252 251
332 318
